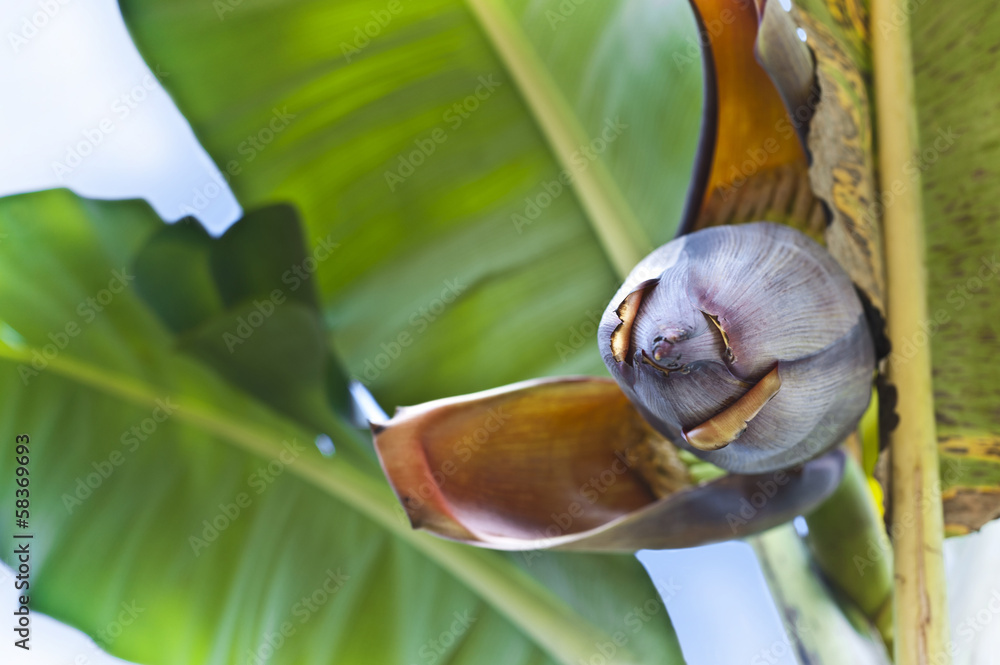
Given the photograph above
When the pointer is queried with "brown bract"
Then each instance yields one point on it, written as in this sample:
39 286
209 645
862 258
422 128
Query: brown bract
751 164
568 464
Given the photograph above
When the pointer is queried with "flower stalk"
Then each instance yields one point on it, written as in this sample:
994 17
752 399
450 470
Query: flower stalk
849 543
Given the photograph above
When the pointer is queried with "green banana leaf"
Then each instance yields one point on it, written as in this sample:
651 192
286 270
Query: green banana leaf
954 53
178 520
480 267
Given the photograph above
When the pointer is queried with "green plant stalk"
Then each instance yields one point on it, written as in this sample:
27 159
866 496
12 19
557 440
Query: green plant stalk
817 628
921 629
849 543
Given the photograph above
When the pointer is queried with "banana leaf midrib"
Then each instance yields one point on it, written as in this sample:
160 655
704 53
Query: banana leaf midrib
614 224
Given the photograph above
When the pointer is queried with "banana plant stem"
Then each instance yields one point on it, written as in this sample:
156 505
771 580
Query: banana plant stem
921 628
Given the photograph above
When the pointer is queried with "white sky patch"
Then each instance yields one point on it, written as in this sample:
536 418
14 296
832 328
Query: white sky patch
51 642
325 445
366 403
801 33
701 581
84 111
